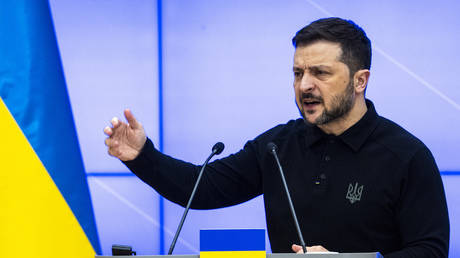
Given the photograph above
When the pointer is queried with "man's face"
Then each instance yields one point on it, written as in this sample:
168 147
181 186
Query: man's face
322 83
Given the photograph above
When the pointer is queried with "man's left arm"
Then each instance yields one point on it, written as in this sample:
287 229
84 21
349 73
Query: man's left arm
423 217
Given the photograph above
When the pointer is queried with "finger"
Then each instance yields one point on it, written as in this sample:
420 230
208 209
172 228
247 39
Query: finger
111 143
316 248
113 149
131 119
115 122
108 131
113 152
297 249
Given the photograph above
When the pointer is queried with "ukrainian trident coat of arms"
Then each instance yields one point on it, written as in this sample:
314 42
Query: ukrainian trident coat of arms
354 192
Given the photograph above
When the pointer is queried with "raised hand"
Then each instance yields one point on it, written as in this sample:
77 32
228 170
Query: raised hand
125 140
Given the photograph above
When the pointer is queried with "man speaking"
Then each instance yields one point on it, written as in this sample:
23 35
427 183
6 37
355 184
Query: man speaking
358 181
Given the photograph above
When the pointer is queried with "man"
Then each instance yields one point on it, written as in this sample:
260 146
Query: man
359 182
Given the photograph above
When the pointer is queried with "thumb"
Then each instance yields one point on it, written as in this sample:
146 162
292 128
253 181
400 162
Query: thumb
131 119
296 248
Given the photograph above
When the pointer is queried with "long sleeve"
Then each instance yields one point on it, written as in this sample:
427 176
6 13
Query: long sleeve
423 217
225 182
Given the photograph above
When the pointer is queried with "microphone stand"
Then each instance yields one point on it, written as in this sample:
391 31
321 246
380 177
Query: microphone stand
272 148
216 150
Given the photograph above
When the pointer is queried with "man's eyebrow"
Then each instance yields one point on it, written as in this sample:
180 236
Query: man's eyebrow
316 67
298 68
311 68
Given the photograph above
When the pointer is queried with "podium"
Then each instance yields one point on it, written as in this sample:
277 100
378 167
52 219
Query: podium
310 255
245 240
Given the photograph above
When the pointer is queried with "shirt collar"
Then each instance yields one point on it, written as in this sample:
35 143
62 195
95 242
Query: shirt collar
314 134
355 136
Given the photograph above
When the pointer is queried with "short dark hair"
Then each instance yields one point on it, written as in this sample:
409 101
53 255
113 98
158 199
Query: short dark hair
355 45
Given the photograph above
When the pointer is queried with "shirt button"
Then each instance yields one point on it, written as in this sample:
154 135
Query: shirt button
327 158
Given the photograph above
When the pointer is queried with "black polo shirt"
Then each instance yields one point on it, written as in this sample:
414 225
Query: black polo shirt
373 188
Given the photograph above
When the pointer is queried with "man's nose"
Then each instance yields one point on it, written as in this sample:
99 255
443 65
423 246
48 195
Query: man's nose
307 83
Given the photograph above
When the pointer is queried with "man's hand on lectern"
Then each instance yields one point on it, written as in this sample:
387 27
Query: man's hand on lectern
310 249
125 140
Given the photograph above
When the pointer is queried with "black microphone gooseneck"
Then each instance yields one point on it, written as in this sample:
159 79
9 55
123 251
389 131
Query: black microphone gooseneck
272 149
216 150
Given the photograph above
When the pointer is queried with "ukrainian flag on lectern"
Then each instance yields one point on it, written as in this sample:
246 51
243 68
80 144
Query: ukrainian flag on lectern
232 243
46 208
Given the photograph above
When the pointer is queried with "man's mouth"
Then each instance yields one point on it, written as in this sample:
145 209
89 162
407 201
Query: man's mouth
310 103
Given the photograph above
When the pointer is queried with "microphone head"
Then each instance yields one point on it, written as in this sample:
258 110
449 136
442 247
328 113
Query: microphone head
218 148
272 147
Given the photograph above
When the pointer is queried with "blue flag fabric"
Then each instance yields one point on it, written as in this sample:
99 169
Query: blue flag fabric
33 87
212 240
232 243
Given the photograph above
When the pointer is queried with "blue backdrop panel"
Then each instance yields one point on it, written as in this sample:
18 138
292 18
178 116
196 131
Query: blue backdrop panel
227 74
126 212
451 185
109 52
228 77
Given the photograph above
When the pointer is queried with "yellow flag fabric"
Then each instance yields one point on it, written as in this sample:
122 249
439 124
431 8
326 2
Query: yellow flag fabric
35 220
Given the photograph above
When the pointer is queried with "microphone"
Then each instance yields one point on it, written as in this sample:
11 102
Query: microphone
216 150
272 148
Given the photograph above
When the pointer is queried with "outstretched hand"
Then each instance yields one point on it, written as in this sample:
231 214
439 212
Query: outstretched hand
125 140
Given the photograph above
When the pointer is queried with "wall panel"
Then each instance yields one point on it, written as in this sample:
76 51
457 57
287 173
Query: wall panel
110 55
227 77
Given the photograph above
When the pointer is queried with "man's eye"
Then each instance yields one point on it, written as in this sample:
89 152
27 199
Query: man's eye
321 72
297 74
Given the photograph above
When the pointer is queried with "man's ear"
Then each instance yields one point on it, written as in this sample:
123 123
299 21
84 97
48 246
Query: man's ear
360 80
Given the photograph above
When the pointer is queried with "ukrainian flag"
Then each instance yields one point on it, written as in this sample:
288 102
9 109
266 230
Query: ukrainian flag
232 243
46 207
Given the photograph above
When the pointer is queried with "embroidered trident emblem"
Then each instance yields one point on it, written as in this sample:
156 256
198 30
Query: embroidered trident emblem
354 193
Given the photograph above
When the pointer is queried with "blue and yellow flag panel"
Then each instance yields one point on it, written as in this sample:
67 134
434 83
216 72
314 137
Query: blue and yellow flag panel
225 243
35 220
32 86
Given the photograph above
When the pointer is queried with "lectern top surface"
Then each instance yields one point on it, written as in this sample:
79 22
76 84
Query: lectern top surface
332 255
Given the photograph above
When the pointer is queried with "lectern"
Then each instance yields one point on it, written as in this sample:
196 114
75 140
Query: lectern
220 241
310 255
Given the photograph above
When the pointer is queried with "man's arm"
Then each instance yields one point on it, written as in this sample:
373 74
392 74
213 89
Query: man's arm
225 182
423 217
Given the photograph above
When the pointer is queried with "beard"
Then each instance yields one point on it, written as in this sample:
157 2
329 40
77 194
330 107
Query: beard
340 105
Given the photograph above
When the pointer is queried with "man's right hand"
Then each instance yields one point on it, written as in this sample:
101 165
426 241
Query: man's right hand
125 140
310 249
